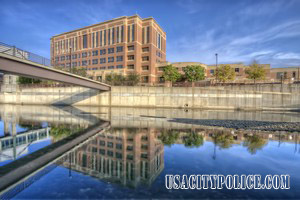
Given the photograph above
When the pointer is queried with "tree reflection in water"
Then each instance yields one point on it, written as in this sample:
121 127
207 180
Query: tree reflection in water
254 143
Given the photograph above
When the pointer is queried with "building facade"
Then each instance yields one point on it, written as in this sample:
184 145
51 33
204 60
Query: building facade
122 45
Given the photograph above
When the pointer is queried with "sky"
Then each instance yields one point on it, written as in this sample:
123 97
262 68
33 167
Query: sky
267 31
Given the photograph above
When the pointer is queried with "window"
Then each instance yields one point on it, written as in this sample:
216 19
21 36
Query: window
99 78
111 67
145 79
130 67
79 55
294 74
131 57
119 66
145 58
102 60
145 49
130 157
145 68
161 69
84 54
161 79
84 41
122 33
102 51
68 65
78 63
102 68
143 36
110 153
148 34
56 58
119 146
110 50
108 36
84 63
131 48
158 53
113 35
110 59
119 58
102 151
212 71
132 34
95 53
237 69
74 64
104 37
62 58
129 148
74 56
110 144
102 143
95 61
119 49
144 155
118 155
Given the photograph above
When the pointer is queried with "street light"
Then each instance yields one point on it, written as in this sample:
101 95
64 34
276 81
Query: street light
216 67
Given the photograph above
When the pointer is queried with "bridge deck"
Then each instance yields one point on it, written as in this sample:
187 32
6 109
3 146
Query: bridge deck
18 66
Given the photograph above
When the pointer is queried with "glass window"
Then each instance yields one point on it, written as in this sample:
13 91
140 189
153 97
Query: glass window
131 48
110 144
102 60
102 51
130 66
212 71
102 151
74 56
110 50
110 153
119 58
145 68
95 61
119 146
119 66
84 63
102 143
84 54
237 69
84 41
111 67
110 59
118 155
119 49
62 58
145 49
131 57
145 58
95 53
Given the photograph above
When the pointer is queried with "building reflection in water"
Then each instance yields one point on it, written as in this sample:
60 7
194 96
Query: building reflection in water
129 157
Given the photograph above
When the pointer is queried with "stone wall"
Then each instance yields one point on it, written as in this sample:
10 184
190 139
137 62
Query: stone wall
162 97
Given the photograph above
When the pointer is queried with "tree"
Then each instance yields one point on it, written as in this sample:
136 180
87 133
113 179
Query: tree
25 80
254 143
225 73
115 79
169 137
171 74
223 140
256 72
132 79
194 73
193 140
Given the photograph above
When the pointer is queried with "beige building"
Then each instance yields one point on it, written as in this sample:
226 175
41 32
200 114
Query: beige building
287 73
122 45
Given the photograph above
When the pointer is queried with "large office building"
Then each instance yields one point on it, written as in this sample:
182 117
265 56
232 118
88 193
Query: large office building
122 45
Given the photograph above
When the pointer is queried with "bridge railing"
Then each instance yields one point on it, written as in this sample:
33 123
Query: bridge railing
19 53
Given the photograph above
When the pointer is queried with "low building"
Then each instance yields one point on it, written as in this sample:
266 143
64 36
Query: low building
239 68
286 73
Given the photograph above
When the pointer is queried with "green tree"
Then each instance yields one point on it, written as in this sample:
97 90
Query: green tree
168 137
133 79
171 74
193 140
223 140
225 73
25 80
194 73
254 143
115 79
256 72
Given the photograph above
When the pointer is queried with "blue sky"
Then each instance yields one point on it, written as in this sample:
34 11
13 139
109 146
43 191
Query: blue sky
238 30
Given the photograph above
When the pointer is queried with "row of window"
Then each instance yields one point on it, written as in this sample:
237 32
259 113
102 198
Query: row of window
94 53
108 67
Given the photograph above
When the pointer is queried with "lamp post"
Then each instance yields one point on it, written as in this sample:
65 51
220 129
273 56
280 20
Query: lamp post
70 59
216 67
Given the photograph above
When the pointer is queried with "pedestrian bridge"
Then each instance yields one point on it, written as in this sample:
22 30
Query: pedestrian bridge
22 63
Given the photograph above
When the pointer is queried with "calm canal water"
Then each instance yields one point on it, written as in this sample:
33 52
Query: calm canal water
141 146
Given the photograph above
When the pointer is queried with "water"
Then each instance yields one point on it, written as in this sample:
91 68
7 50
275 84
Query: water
131 158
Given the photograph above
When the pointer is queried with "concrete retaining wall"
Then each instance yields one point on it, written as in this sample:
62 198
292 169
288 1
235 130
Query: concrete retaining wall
160 97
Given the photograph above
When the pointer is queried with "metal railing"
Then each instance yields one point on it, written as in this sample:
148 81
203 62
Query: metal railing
19 53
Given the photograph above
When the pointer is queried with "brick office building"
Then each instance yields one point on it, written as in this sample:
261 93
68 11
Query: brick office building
122 45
